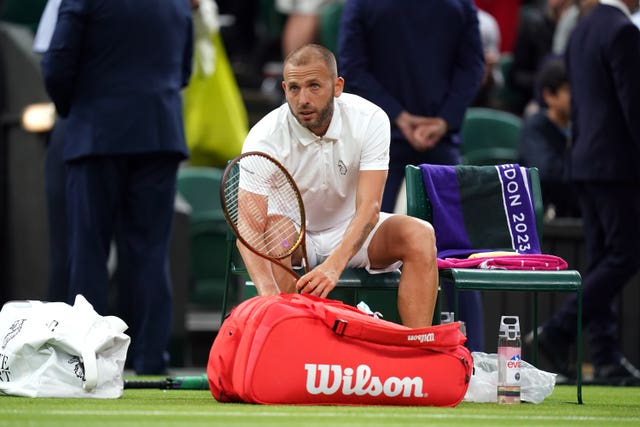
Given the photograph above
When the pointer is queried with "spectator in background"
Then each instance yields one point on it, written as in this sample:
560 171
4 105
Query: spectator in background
506 14
545 140
603 63
303 22
124 138
567 22
533 44
635 17
492 77
422 62
381 50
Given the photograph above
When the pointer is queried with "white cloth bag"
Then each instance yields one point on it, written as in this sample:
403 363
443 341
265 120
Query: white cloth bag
536 384
52 349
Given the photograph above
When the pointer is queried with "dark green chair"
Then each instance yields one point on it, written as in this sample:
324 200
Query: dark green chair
330 26
379 291
270 22
490 137
199 186
418 205
506 96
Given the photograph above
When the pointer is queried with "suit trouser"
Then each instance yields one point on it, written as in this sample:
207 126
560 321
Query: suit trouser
129 198
402 153
55 184
611 218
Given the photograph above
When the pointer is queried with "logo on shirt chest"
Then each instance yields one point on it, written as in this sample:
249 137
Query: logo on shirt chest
342 168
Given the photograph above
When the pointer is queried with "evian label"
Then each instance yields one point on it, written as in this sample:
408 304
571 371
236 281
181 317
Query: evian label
332 379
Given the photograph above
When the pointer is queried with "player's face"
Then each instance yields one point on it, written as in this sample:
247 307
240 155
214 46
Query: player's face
310 90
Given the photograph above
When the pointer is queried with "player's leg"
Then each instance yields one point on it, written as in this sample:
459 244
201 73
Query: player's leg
411 241
268 277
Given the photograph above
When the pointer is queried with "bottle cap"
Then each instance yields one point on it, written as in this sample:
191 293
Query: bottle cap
446 317
509 327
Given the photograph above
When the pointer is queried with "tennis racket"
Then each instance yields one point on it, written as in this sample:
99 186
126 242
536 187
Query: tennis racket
264 208
199 382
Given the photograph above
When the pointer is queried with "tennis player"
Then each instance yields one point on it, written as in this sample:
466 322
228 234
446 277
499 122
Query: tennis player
336 147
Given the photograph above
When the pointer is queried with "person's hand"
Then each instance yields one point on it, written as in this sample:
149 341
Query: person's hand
319 281
428 133
408 123
195 4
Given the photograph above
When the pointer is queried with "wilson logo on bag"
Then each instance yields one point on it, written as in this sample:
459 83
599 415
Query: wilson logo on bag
422 337
332 379
300 349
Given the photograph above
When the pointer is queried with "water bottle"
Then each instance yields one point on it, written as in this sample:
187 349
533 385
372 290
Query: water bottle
446 317
509 356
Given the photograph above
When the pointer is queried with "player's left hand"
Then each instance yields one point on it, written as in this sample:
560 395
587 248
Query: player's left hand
319 281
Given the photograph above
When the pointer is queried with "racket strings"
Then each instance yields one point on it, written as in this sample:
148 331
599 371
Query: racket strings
264 206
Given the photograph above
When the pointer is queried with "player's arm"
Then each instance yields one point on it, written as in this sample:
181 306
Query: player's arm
252 214
322 279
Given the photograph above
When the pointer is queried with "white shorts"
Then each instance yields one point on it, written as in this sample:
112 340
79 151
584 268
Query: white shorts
302 7
321 245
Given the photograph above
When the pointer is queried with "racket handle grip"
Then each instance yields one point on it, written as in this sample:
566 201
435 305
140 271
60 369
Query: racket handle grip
161 384
199 382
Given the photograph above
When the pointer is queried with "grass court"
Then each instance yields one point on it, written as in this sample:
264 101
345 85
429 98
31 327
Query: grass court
603 406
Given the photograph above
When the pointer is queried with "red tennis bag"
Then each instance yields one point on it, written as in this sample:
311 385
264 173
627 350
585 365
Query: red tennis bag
300 349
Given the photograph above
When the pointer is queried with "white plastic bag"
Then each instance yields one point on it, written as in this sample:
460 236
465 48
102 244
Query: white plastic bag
51 349
536 384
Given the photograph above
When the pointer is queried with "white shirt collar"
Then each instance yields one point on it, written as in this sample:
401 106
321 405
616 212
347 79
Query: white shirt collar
619 4
306 137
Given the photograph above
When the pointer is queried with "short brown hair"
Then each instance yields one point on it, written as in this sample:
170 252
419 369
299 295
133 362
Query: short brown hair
310 53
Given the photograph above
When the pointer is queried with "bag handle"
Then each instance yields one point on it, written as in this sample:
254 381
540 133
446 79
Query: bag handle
90 368
346 320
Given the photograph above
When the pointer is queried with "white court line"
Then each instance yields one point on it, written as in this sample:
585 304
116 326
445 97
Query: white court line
283 414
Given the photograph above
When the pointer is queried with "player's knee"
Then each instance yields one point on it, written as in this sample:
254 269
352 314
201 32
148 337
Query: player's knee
419 238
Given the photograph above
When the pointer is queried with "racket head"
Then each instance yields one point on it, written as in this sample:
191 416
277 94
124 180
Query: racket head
263 205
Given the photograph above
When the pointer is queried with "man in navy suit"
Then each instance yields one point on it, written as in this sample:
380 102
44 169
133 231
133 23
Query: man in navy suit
603 60
115 69
422 62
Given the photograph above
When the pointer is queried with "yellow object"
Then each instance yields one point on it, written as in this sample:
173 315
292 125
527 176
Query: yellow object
491 254
215 117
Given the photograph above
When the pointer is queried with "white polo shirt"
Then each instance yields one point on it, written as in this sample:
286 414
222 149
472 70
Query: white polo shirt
326 168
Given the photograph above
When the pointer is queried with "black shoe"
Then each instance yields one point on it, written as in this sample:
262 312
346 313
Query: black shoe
555 350
621 374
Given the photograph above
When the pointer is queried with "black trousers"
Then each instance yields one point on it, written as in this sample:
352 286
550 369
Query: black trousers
131 199
611 215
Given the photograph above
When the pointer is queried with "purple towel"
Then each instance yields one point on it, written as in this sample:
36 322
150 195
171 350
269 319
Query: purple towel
459 195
